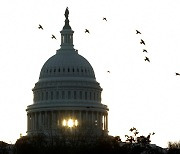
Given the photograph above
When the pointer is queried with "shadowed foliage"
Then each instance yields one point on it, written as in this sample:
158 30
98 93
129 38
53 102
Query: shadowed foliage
76 143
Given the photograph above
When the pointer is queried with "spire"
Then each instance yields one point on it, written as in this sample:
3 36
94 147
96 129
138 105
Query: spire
66 34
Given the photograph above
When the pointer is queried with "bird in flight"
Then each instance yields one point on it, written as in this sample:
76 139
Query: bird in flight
132 129
104 18
144 50
40 27
153 133
87 31
142 42
138 32
108 71
147 59
177 73
53 37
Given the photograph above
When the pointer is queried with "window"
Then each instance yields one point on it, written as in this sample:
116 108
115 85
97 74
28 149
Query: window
90 95
46 95
69 94
51 95
62 39
38 96
80 94
57 94
75 95
63 95
42 96
85 95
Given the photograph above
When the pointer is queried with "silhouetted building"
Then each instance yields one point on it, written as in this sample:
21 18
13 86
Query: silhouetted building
67 95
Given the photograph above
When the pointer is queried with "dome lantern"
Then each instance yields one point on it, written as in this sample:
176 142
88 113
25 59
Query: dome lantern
66 34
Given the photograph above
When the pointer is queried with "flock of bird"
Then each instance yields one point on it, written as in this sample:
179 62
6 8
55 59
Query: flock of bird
143 42
52 36
87 31
137 32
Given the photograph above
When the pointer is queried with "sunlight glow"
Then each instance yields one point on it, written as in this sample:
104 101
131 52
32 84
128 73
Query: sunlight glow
70 123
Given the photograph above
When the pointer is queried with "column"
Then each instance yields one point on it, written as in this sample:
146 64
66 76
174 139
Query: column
52 120
100 120
80 119
27 122
58 120
104 121
107 121
87 122
39 120
45 119
35 121
92 119
30 121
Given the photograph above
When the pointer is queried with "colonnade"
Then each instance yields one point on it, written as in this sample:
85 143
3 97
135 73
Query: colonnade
46 120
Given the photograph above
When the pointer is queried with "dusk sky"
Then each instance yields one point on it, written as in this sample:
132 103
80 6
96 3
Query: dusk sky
138 93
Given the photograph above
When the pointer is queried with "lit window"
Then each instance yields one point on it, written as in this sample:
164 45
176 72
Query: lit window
70 123
76 123
64 123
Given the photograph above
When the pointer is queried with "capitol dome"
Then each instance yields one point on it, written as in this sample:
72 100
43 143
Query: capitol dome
67 64
67 94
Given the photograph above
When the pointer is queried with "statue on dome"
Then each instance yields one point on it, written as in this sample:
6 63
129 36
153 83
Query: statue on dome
66 13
